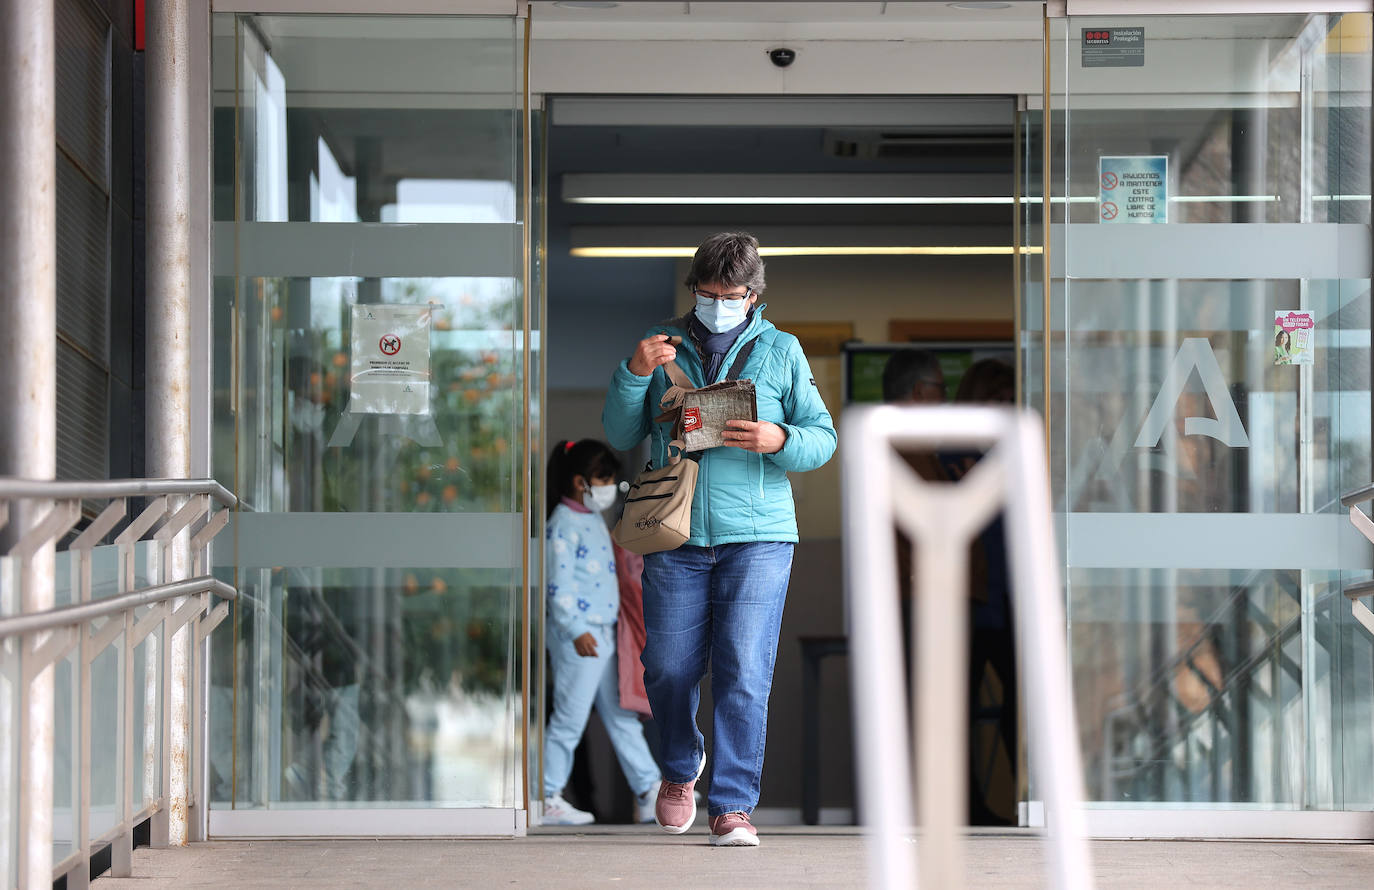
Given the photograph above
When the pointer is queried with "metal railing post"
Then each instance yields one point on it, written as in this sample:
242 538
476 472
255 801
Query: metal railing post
942 519
169 350
34 640
122 847
28 381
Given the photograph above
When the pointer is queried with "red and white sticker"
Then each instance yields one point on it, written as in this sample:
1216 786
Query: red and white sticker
691 419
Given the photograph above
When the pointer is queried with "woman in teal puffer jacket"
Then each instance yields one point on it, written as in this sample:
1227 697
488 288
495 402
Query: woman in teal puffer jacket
718 599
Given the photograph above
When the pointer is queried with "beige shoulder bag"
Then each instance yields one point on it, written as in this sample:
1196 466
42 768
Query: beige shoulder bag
658 511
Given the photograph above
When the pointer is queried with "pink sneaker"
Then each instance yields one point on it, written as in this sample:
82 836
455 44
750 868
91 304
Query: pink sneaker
733 830
676 807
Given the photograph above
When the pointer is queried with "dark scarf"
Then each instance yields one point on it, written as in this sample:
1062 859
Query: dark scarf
713 347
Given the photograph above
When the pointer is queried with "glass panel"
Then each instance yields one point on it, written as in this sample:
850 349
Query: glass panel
370 264
1207 433
66 755
107 691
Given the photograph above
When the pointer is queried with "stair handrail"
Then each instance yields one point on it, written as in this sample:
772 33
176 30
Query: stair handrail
1365 526
171 615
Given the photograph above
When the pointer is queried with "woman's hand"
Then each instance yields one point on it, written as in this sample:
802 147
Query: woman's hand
651 352
585 645
758 436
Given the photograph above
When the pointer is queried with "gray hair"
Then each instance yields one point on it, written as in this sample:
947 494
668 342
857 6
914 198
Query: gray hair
907 367
730 259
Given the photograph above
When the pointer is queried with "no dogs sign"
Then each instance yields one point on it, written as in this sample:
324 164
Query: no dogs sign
390 366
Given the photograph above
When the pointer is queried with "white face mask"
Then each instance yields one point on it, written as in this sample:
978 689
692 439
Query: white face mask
720 316
599 498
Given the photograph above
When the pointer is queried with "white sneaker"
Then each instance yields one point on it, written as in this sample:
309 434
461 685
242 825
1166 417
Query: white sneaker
558 811
644 803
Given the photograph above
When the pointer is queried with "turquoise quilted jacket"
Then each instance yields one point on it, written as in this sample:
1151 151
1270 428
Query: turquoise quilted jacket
740 496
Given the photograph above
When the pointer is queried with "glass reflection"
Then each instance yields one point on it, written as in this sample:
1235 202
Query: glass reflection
1219 684
393 685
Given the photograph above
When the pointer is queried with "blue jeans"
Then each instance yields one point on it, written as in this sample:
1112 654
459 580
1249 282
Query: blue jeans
578 683
720 606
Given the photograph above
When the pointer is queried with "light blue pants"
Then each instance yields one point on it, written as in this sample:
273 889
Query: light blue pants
578 683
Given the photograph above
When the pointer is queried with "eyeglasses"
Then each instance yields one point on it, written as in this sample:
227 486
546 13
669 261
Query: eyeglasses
729 298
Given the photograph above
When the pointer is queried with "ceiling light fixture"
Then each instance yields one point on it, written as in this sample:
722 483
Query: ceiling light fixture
782 199
674 252
784 188
952 200
802 189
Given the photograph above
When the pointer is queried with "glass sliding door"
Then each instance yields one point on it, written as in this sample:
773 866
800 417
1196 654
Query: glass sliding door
1211 239
372 412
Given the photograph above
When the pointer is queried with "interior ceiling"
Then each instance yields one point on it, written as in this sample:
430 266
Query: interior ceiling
864 19
744 150
1021 19
926 11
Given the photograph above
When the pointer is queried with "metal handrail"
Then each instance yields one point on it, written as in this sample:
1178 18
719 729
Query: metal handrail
1362 523
180 518
1359 495
80 613
14 488
1357 591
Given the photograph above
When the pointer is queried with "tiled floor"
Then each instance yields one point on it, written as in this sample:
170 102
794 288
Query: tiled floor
625 856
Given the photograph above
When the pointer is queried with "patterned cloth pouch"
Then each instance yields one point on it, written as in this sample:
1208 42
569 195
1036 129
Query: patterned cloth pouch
705 411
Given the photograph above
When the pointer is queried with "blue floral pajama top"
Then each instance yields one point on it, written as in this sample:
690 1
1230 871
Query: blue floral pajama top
579 569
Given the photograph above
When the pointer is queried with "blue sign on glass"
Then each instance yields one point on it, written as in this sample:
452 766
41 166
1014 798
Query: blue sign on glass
1133 189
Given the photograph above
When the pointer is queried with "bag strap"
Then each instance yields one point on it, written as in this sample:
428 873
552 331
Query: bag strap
677 375
681 446
737 366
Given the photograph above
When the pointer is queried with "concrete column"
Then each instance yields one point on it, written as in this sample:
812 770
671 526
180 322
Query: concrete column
28 383
169 342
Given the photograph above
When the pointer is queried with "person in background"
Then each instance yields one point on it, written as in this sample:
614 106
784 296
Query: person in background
718 599
990 381
913 377
583 602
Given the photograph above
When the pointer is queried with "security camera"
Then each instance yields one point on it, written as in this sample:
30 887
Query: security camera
782 56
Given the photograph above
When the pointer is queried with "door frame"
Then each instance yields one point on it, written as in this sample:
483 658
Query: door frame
1184 821
887 73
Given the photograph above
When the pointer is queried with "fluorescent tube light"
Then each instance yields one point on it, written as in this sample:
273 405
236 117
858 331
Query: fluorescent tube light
786 199
660 252
784 188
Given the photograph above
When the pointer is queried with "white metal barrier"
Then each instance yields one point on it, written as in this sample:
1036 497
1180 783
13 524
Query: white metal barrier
179 514
1352 500
942 519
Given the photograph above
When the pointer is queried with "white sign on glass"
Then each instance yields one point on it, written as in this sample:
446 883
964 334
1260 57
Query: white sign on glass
390 364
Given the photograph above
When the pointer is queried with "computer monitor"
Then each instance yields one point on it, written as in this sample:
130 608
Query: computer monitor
864 362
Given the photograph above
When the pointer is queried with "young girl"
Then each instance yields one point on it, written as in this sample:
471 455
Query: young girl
583 600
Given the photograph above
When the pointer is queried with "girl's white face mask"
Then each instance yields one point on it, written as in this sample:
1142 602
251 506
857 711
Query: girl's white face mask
720 316
599 498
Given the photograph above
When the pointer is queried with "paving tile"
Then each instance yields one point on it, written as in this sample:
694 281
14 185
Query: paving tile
790 859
